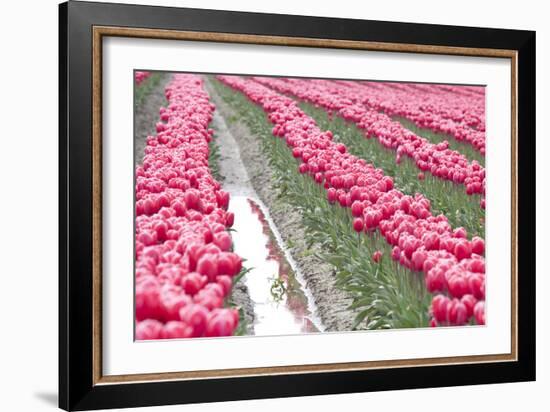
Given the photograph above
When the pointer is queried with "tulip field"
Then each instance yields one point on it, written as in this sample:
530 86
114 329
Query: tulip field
371 197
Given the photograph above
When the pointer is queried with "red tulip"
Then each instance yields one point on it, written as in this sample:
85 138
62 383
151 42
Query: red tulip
477 266
141 76
460 233
221 324
148 329
479 312
209 299
395 253
208 265
176 330
147 300
457 286
179 207
195 316
223 240
357 208
225 282
435 280
456 313
469 301
463 249
476 286
171 303
358 224
226 264
418 258
222 199
192 199
439 308
229 219
341 148
160 127
192 282
478 245
237 262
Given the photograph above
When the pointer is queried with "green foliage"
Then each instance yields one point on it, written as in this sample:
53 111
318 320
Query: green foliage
242 329
278 288
241 274
214 158
387 295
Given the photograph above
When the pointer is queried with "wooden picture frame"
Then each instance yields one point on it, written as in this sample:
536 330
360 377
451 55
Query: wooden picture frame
81 382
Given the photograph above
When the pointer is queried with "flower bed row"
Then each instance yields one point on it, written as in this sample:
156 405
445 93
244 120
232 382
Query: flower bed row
140 77
440 89
184 265
453 265
437 159
462 117
470 91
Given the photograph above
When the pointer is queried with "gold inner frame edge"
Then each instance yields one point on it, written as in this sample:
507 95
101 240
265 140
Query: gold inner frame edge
98 32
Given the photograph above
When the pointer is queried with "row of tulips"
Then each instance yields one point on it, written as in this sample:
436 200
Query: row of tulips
141 76
470 91
462 117
461 209
437 159
453 265
184 263
440 89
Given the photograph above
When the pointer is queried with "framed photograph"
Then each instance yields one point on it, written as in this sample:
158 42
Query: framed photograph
256 205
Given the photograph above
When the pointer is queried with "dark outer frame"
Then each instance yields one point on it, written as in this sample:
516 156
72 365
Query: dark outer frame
78 390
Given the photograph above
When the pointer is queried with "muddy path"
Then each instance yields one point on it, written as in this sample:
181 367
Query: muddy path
272 294
146 116
332 304
235 181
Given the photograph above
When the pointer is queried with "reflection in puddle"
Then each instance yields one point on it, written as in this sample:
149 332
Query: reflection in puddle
280 304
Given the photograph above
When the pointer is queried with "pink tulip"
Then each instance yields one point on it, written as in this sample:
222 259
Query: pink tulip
176 330
195 316
148 329
439 310
141 76
223 240
358 224
457 313
478 245
222 323
479 312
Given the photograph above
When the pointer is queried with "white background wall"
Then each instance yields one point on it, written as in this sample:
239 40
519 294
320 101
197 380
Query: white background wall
28 203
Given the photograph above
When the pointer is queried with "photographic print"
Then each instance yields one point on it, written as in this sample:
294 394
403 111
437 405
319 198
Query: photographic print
272 206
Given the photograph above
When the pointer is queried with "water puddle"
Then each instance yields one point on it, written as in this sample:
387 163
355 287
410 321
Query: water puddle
280 304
